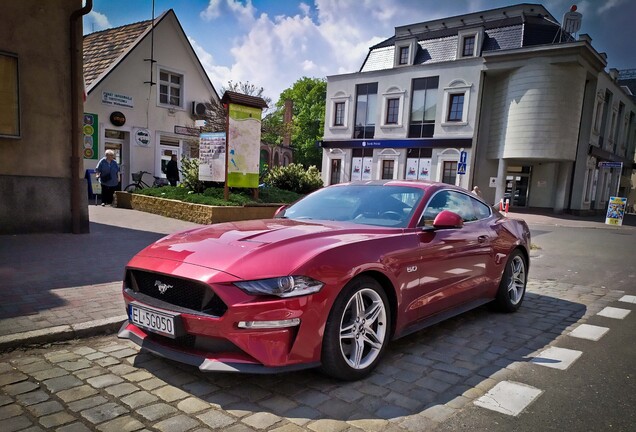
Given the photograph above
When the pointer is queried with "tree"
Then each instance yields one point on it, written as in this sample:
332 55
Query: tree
309 96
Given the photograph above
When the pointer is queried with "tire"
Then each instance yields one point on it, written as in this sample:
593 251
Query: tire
131 187
512 287
360 318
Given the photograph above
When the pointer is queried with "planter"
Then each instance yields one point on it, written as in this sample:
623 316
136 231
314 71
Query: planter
123 200
200 213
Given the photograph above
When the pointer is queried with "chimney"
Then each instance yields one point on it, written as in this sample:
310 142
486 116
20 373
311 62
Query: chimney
613 73
287 119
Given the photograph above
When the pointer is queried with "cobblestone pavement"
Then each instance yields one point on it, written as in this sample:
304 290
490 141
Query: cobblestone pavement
106 384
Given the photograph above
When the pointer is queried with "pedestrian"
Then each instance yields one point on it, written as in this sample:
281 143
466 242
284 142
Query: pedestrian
477 191
172 170
107 172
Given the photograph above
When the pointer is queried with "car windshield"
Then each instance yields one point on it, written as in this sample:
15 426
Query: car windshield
381 205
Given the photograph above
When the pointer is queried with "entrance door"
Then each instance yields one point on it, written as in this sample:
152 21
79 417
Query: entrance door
115 140
518 185
167 148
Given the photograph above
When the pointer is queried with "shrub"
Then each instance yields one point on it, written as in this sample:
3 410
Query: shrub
190 175
295 178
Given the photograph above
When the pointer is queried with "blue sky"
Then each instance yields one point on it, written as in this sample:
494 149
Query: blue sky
273 43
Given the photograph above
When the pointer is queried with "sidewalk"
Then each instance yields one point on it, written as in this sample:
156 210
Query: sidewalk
61 286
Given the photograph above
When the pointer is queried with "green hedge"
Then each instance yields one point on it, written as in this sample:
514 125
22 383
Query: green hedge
214 195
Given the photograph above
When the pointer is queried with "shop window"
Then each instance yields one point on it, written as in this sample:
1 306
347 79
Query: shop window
170 88
423 107
366 98
339 110
387 169
335 171
455 107
392 110
9 95
449 173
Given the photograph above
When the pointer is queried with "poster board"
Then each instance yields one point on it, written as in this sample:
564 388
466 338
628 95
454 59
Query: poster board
212 157
615 211
356 169
244 144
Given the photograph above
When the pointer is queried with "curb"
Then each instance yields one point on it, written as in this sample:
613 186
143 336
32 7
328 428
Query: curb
62 333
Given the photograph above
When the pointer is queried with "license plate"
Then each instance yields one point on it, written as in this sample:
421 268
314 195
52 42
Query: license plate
153 320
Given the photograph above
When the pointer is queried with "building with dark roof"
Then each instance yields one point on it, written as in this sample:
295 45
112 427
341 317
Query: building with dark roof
505 99
144 86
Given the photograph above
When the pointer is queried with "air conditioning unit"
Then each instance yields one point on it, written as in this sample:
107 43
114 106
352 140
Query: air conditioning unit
198 108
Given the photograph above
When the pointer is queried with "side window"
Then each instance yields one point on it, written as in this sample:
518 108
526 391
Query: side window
454 201
482 211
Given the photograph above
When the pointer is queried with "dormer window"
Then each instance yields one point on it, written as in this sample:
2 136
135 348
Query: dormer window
404 55
468 45
469 42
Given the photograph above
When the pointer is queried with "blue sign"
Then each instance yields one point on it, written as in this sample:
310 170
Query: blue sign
462 157
461 168
610 164
398 143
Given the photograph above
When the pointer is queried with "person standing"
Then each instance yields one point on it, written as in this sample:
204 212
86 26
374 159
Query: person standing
107 171
477 191
172 170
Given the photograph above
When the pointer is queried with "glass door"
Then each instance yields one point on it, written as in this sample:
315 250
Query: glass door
518 185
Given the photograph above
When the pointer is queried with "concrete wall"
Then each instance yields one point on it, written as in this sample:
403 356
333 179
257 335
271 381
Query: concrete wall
35 169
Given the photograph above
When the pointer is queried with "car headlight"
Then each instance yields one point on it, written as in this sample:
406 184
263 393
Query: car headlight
285 286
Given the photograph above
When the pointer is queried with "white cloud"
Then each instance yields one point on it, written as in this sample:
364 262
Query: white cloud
609 4
219 75
95 21
304 8
243 12
212 11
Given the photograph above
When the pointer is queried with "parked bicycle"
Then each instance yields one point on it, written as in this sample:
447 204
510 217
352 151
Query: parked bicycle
139 183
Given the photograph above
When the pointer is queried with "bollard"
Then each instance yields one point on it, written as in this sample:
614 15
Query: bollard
507 206
501 205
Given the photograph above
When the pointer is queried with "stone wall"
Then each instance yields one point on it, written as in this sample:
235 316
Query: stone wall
199 213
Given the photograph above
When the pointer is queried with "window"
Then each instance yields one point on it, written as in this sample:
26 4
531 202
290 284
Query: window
468 46
387 169
335 171
456 107
404 55
366 97
9 96
449 173
170 85
339 110
482 211
423 107
454 201
392 110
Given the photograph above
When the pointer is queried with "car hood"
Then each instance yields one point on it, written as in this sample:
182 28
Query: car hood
260 248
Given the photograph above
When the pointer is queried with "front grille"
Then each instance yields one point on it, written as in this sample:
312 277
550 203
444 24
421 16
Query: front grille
180 292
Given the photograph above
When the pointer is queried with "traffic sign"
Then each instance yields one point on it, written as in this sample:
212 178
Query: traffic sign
462 157
461 168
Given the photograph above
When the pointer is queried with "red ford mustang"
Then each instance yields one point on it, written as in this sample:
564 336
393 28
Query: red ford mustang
328 282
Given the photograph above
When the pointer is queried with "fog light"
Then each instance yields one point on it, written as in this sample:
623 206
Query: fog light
269 324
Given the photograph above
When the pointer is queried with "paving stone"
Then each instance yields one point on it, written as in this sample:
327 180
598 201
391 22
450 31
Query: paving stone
221 399
152 384
9 411
46 408
391 411
138 399
107 361
103 412
90 372
198 388
15 424
104 380
192 405
417 423
122 369
12 378
112 348
287 428
87 403
83 351
74 427
347 393
509 398
433 384
278 404
19 388
60 357
137 375
37 366
57 419
170 393
326 425
96 356
121 389
370 425
241 409
216 419
32 398
302 415
123 424
156 411
239 427
62 383
45 374
76 393
403 401
75 365
261 420
5 400
127 352
311 397
180 423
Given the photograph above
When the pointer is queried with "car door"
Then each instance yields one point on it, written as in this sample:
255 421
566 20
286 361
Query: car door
453 261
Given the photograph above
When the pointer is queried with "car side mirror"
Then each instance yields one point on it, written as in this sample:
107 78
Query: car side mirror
281 211
448 219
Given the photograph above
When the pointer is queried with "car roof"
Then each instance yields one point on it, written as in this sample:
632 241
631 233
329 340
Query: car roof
418 184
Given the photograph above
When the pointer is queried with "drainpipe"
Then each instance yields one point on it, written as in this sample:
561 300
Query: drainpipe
76 81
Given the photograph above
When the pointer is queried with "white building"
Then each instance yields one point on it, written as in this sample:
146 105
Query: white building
503 99
143 83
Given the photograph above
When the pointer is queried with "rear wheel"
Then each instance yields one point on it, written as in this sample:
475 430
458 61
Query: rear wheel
513 283
131 187
357 330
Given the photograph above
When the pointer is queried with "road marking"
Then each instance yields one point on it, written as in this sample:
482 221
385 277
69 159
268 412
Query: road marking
628 299
557 358
612 312
589 332
509 398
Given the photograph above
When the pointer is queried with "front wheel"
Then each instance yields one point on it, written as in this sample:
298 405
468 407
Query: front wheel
357 330
131 187
513 283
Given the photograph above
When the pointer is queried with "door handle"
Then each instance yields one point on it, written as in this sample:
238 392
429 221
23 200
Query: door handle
482 238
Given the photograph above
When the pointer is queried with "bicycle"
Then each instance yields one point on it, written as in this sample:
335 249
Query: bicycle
139 183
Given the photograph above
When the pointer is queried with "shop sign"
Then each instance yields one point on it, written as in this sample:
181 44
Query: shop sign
110 98
142 137
117 118
90 136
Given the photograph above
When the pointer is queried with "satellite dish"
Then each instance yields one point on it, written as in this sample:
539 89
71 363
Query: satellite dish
572 21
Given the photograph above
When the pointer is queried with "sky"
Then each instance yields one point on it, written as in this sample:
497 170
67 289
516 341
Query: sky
274 43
